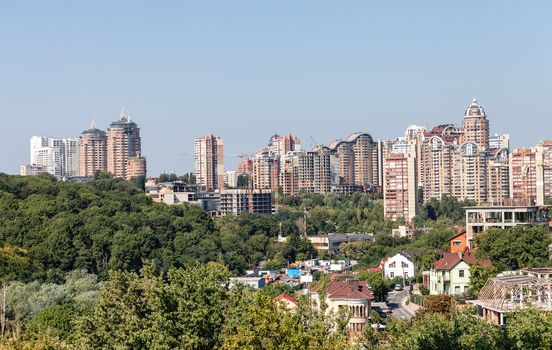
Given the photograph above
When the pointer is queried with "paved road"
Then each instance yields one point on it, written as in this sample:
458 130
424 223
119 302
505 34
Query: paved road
394 302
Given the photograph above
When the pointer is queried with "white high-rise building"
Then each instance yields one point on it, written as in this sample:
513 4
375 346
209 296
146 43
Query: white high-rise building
58 157
71 157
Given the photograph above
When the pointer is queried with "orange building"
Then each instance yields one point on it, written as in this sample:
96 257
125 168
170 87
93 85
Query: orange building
458 243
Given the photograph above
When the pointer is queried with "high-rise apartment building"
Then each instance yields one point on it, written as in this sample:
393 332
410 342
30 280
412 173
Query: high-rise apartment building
400 190
354 161
498 176
93 151
475 126
58 157
289 173
266 170
545 148
523 175
209 162
71 158
469 173
280 145
123 143
499 141
437 163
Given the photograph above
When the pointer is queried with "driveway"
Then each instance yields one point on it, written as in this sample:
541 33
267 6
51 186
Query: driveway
394 301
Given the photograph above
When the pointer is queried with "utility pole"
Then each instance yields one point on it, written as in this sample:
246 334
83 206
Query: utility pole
305 221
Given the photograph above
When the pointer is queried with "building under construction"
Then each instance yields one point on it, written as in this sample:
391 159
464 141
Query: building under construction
514 290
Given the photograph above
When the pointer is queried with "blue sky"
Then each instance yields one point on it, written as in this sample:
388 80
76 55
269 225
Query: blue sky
246 69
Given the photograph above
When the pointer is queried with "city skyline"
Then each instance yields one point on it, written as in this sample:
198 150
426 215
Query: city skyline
246 72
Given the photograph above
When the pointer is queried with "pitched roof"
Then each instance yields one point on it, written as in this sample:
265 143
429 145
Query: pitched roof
349 289
449 260
286 297
457 235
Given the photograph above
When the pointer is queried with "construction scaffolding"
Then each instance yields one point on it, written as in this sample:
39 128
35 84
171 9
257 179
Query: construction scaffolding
506 293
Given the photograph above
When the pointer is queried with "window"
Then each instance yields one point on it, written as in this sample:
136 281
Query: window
405 265
461 274
456 243
392 274
457 289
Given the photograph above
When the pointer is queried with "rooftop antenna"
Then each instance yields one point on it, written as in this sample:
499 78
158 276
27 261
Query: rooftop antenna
122 116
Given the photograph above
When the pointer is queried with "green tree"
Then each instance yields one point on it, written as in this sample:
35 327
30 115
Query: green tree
185 310
479 275
530 329
514 248
380 287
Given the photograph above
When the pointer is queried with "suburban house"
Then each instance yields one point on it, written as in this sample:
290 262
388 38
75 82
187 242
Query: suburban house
399 265
451 274
288 301
458 243
352 296
514 290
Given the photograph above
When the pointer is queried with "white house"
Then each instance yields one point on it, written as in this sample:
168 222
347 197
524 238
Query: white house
398 265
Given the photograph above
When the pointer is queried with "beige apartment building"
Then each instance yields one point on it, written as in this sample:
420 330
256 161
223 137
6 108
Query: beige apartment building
136 167
469 173
498 176
123 143
209 162
475 125
93 151
400 194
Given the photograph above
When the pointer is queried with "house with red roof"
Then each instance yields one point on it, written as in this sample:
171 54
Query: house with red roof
451 274
288 301
352 296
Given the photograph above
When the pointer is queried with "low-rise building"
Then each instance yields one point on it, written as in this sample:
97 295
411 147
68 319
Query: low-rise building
479 219
354 297
254 282
398 265
451 274
332 241
512 291
288 301
238 201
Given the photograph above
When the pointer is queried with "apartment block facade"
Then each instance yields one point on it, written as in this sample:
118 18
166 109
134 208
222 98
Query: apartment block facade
209 162
123 143
400 191
93 151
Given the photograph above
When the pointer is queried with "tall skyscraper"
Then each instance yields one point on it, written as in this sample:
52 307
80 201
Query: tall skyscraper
475 125
209 162
498 176
93 151
70 156
123 143
437 161
469 173
354 160
523 176
266 170
400 195
545 148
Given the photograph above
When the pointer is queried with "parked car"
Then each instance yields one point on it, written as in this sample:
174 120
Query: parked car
398 287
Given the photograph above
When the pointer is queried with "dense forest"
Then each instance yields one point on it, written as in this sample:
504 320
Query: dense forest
48 228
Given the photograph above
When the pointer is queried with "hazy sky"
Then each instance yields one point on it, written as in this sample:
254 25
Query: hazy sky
246 69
